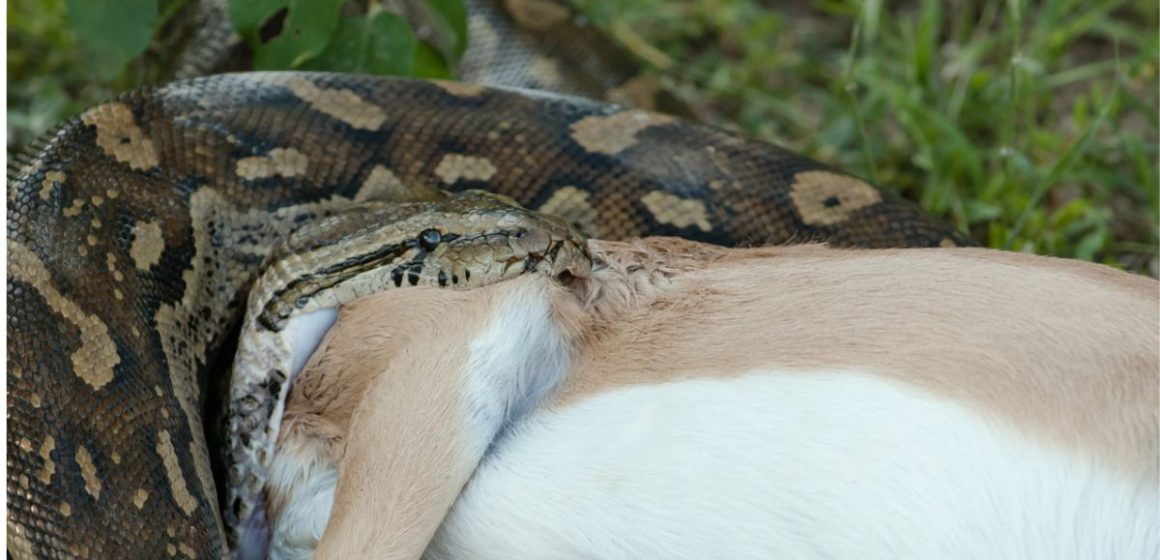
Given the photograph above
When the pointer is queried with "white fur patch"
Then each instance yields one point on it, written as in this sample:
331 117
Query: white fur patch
518 360
298 530
818 465
304 332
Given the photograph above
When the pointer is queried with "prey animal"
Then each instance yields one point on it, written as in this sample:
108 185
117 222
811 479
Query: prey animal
682 400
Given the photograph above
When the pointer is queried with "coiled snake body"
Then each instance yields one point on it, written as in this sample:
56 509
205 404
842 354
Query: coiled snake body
136 230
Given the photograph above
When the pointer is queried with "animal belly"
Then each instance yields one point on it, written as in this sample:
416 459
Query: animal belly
778 465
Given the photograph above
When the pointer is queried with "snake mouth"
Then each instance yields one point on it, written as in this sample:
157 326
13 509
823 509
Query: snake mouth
479 258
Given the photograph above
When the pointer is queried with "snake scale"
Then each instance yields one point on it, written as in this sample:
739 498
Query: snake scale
136 229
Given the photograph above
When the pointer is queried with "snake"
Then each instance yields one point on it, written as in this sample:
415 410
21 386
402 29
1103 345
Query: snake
137 229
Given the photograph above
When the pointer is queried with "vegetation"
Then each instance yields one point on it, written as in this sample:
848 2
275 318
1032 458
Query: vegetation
1033 125
66 55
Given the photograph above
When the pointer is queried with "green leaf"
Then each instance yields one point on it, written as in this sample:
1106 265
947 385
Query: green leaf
309 26
1091 244
379 44
429 63
1069 212
980 211
449 17
112 32
249 15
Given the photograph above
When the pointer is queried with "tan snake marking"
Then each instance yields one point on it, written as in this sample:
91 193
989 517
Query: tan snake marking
136 230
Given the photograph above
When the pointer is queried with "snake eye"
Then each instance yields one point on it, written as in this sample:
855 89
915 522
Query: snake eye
430 239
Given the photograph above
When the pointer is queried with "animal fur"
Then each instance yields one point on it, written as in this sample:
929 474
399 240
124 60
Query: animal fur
687 401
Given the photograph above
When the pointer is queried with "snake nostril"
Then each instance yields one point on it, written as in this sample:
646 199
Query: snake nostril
429 239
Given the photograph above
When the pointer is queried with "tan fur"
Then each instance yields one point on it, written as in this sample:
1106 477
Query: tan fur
1066 350
399 398
371 389
1062 350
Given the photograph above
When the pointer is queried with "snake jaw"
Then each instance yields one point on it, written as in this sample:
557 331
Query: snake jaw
464 239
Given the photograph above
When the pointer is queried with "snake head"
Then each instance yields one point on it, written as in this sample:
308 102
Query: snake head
495 238
456 240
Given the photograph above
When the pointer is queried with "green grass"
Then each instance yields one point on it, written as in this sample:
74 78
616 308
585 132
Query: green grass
46 77
1031 125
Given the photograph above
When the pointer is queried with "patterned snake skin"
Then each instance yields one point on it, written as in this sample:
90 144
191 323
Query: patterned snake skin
135 230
